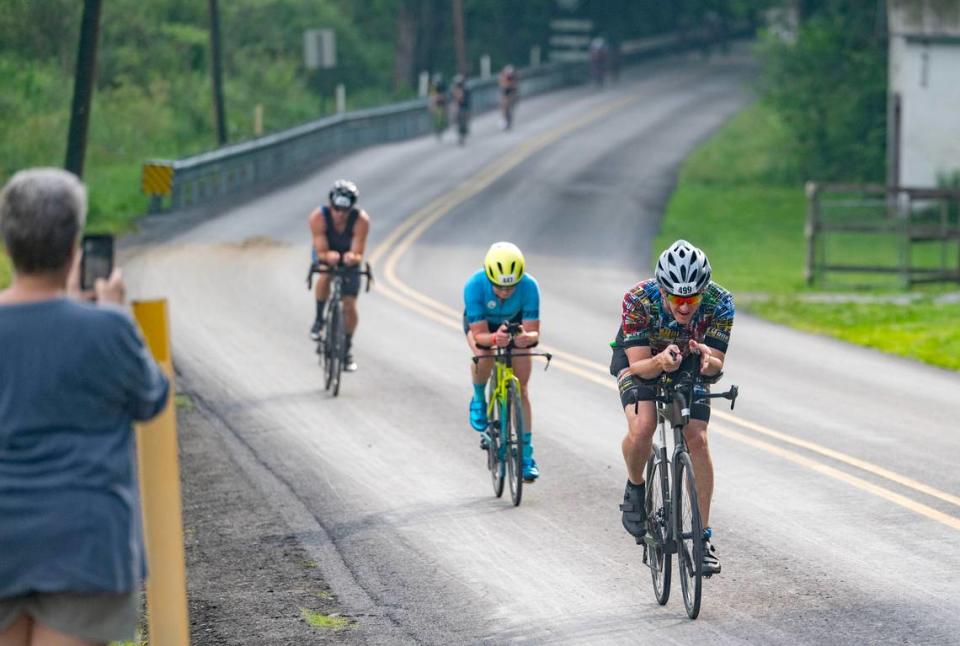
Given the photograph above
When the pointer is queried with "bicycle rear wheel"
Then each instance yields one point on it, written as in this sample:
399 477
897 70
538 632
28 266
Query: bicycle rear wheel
337 344
689 532
495 462
656 556
514 454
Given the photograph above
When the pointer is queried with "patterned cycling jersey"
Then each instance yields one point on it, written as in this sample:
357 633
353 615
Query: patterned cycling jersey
646 320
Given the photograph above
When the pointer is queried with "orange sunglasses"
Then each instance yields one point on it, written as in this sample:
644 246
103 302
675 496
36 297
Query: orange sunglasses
677 301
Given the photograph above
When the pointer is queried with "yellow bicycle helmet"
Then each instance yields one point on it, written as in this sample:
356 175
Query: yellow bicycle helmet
504 264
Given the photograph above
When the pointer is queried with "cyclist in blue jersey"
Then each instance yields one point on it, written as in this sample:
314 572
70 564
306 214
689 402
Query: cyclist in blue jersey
678 319
339 232
501 293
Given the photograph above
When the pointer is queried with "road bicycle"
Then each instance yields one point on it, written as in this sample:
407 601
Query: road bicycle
332 346
673 521
440 119
505 424
508 104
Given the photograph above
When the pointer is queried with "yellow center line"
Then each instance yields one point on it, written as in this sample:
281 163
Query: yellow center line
409 231
859 483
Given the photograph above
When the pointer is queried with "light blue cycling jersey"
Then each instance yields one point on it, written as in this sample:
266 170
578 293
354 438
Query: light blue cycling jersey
481 304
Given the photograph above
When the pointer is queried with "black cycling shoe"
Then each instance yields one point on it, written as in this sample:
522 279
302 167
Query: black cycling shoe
634 513
711 564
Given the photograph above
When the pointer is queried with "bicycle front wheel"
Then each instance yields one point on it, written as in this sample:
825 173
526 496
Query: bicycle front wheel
515 430
336 348
495 462
689 532
656 555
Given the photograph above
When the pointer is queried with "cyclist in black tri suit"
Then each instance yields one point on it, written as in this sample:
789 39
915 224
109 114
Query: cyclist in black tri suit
339 231
461 96
680 319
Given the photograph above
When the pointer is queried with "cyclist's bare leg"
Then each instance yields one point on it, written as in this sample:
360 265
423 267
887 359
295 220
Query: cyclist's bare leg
321 288
522 367
350 316
480 371
695 435
638 443
18 633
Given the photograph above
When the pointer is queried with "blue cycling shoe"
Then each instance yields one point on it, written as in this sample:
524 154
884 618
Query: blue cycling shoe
530 470
484 440
478 414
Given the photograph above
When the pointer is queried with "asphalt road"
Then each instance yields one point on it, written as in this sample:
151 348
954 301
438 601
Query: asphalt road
836 511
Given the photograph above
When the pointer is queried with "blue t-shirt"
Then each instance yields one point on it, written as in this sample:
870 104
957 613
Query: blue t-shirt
73 378
480 303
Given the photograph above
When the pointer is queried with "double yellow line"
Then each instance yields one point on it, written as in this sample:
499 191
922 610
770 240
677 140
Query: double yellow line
410 230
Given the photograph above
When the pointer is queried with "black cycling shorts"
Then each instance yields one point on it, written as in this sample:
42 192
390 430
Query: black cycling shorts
632 389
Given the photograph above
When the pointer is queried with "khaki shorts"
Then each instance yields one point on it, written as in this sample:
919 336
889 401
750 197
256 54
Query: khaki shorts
93 617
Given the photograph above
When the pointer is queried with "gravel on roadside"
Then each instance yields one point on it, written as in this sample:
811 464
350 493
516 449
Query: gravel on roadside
249 579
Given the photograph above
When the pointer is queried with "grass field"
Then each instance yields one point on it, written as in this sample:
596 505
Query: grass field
739 199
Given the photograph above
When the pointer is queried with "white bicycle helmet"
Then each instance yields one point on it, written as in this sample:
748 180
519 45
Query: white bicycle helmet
683 269
344 194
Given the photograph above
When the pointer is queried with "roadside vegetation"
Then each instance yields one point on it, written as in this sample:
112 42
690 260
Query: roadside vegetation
741 194
326 622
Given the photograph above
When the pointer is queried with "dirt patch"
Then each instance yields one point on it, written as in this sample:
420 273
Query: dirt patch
256 242
248 581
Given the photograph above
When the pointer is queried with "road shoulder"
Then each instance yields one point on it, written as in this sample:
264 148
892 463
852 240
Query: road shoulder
250 578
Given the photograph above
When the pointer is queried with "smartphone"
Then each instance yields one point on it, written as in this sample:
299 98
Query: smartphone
96 260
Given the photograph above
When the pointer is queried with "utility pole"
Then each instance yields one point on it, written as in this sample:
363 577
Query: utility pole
216 73
83 87
459 37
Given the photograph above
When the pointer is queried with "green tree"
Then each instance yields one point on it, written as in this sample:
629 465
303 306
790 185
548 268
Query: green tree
829 88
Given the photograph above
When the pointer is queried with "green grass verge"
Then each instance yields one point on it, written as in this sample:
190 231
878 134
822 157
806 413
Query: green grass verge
327 622
4 270
741 201
923 330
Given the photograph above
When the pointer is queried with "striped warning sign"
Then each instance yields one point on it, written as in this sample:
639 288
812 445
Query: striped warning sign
157 178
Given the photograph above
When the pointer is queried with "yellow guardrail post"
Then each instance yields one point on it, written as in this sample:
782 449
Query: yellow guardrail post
157 181
160 494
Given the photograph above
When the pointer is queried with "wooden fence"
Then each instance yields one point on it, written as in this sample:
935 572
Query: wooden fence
911 233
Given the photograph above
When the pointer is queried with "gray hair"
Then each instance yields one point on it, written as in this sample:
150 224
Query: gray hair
42 211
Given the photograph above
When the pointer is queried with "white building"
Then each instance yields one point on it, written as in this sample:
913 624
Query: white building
924 122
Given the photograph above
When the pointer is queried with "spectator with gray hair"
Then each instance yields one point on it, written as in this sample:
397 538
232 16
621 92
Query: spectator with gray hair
74 376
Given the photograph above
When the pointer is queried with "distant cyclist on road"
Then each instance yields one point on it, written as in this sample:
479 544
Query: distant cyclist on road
439 97
461 101
678 319
339 232
501 293
509 83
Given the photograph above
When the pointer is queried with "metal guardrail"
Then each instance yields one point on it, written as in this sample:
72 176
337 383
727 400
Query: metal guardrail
900 218
208 176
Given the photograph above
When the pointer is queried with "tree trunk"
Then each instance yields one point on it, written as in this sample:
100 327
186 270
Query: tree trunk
405 48
459 37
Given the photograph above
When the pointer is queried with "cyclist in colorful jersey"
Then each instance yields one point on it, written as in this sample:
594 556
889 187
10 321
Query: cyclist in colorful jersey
509 94
339 232
501 293
679 319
